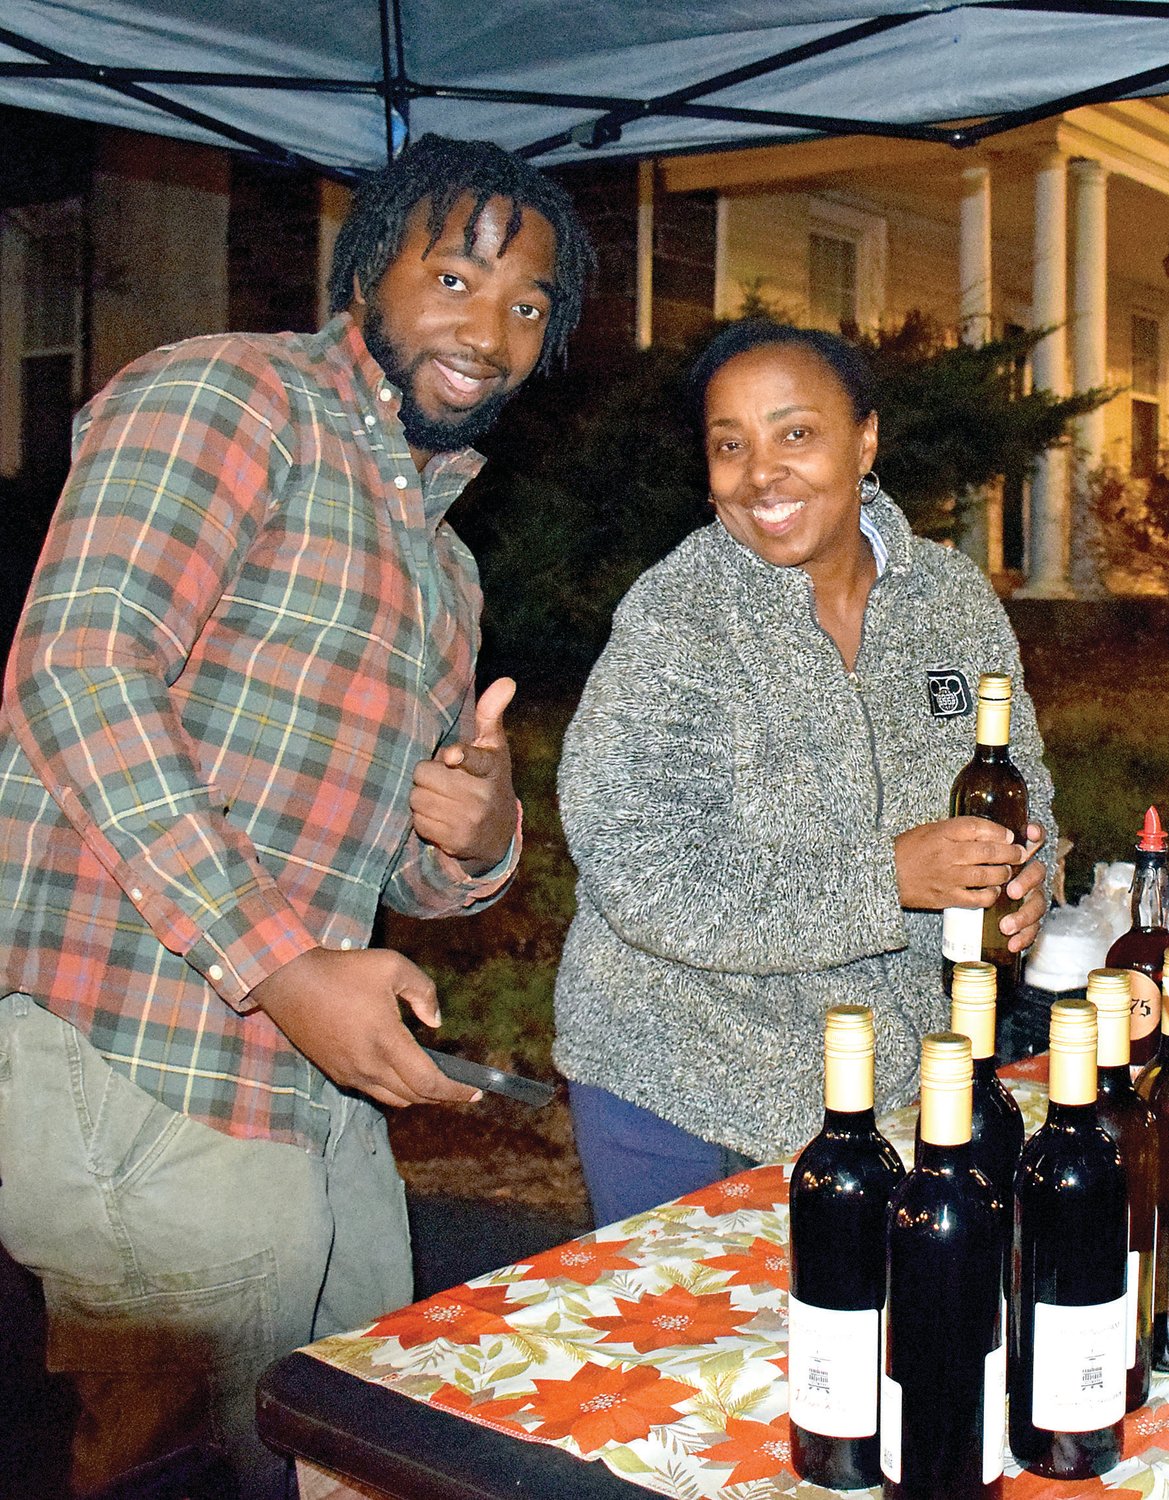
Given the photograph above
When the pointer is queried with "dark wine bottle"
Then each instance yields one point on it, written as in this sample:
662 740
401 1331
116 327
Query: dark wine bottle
1141 950
1153 1086
944 1381
1067 1337
996 1124
840 1191
1129 1121
988 786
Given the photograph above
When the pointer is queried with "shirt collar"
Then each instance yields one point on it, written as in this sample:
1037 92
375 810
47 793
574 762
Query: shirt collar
876 541
447 474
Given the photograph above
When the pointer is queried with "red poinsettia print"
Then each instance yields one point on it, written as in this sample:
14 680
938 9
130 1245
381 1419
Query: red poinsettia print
757 1450
581 1261
663 1320
606 1404
761 1187
763 1263
490 1409
462 1316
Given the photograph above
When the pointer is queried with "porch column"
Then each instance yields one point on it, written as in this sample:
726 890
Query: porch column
983 539
645 254
1050 508
1089 354
974 307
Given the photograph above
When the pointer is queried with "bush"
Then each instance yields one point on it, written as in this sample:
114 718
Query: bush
1128 532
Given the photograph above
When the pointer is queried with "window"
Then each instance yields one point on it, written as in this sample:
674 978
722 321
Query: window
832 280
42 246
1146 392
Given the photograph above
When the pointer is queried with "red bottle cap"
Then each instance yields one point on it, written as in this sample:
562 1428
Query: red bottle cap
1153 836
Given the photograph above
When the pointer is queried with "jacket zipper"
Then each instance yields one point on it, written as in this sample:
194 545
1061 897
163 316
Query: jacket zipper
855 684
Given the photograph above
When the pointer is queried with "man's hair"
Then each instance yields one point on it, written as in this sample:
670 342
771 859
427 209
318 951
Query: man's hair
845 360
438 171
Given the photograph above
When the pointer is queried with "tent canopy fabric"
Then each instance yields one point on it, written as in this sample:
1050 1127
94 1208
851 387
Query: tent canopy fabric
314 80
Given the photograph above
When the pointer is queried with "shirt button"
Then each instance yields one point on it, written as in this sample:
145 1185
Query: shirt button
385 394
370 420
215 973
400 481
346 944
135 894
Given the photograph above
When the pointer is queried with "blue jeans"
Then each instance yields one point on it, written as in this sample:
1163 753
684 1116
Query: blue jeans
633 1159
178 1261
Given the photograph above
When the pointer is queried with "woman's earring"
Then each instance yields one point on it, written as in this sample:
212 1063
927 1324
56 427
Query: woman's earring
868 487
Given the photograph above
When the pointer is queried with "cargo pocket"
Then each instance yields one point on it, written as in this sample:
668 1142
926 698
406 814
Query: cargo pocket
159 1368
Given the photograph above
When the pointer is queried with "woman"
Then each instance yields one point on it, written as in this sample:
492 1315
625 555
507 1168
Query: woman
755 786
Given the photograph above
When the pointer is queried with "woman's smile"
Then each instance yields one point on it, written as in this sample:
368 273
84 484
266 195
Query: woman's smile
775 516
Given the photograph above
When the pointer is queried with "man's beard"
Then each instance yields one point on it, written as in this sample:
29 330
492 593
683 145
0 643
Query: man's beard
429 434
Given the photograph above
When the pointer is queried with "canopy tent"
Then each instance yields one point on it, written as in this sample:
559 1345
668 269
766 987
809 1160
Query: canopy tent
320 80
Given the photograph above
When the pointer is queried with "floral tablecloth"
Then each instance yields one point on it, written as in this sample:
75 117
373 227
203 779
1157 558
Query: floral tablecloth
658 1345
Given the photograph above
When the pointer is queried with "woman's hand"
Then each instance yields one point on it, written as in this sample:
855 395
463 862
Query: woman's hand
966 862
1028 886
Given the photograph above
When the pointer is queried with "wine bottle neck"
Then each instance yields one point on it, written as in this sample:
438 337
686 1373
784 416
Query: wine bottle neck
1114 1080
992 726
932 1157
1071 1116
1072 1076
1148 889
848 1083
985 1070
849 1121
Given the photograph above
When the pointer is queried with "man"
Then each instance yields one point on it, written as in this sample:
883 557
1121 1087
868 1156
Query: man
239 712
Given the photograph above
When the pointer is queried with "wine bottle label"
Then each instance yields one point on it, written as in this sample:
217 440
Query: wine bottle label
832 1365
1132 1296
1079 1371
891 1428
994 1411
1145 1008
962 934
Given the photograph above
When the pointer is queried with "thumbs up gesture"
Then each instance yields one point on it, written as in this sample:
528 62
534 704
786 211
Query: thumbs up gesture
462 800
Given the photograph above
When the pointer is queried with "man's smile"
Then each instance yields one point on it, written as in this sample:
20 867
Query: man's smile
463 384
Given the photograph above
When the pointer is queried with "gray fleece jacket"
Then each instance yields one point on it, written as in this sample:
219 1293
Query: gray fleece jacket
731 794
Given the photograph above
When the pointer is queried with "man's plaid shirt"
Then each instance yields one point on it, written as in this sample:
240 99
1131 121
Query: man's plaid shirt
249 622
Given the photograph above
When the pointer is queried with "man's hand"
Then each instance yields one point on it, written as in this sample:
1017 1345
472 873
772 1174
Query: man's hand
462 800
341 1011
966 862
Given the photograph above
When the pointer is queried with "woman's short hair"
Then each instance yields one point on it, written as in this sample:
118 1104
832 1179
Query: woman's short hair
845 360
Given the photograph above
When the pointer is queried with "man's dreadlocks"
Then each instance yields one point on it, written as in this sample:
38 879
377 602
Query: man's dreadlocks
438 171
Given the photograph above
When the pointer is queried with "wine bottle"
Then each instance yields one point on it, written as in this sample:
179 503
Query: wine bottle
997 1124
1129 1121
840 1191
988 786
1067 1334
1141 949
943 1387
1152 1085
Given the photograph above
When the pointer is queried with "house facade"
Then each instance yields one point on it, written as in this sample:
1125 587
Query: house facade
1061 225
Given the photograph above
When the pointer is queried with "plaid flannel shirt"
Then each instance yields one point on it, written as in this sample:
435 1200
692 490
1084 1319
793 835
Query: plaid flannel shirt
248 624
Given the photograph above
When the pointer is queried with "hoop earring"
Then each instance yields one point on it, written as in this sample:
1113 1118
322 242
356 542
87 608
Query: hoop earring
868 487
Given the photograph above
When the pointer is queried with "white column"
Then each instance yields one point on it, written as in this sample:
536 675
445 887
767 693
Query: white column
645 254
983 539
1089 353
1050 504
974 283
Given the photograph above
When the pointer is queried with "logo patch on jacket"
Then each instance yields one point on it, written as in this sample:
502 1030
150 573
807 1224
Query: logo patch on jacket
949 693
